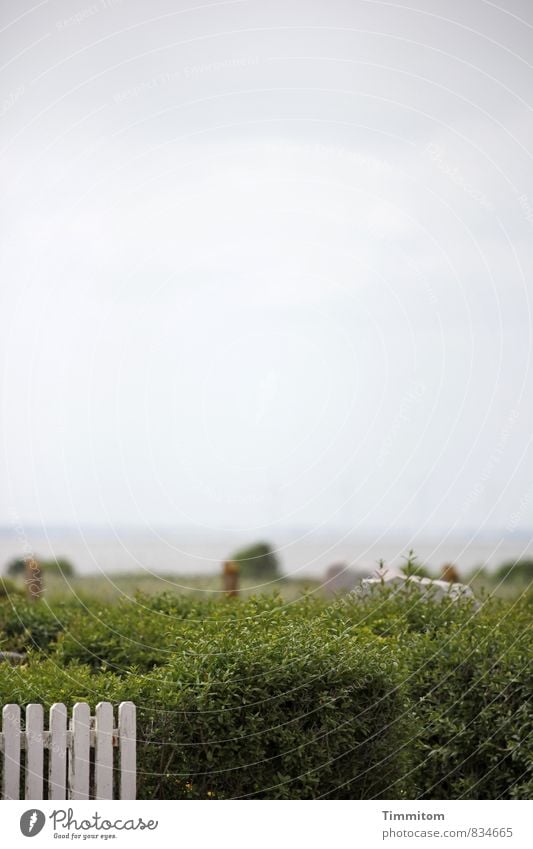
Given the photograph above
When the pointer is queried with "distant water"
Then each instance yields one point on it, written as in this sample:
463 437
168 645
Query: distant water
300 555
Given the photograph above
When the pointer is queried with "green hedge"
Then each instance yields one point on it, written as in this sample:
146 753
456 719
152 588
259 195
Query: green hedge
467 669
297 711
26 625
155 630
362 698
473 691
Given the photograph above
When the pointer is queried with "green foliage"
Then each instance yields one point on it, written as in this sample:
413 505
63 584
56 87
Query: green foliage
299 713
16 568
32 624
515 570
156 629
413 567
299 710
389 696
61 566
474 696
258 561
9 588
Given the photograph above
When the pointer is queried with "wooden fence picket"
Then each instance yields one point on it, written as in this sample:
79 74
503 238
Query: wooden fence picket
34 751
103 758
11 747
57 763
80 751
69 748
127 747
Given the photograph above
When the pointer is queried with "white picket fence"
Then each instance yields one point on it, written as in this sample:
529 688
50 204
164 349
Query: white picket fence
72 772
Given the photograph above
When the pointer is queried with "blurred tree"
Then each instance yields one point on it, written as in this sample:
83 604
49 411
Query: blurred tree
515 570
17 567
257 561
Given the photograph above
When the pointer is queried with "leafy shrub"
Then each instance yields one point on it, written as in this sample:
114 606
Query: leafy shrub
515 570
389 696
297 714
300 712
258 561
474 705
119 636
413 567
16 568
153 631
9 588
466 672
25 624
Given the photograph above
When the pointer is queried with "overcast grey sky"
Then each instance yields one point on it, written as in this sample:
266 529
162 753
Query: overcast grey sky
267 263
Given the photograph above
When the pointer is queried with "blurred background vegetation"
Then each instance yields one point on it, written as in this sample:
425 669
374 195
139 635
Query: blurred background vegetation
260 573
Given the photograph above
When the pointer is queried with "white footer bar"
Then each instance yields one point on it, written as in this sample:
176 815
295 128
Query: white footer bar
270 825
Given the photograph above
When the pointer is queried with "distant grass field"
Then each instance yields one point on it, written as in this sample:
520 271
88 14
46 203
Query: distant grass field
113 587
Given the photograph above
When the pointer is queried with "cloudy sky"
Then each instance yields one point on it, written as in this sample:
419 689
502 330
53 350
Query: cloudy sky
267 263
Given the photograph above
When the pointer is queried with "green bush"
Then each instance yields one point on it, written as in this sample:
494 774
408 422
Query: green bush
16 568
32 624
258 561
154 630
384 696
119 636
413 567
298 712
466 672
515 570
9 588
474 705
